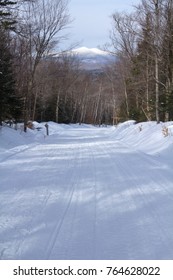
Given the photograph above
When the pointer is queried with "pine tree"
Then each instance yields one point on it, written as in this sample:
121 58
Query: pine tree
9 104
7 82
6 18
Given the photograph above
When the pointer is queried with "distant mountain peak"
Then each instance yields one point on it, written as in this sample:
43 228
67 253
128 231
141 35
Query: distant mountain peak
85 50
92 58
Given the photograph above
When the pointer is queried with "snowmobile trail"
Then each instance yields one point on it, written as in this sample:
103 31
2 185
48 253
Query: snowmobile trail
83 195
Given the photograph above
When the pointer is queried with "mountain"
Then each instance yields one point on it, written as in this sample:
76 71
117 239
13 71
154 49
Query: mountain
92 58
90 52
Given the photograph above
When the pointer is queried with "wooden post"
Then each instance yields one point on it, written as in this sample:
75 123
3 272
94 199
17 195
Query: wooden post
47 129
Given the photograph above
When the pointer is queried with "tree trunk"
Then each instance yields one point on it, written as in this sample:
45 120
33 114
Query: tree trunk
57 108
156 60
126 100
157 88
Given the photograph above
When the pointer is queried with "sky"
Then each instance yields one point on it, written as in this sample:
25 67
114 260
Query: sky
92 20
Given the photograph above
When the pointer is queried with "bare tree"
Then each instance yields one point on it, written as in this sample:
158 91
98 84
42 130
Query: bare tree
124 38
40 27
124 33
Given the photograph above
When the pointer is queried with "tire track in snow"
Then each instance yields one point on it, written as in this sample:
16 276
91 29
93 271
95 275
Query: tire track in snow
87 191
71 225
72 183
95 187
106 171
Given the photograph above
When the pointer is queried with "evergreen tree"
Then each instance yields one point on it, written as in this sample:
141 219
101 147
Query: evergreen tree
9 104
6 18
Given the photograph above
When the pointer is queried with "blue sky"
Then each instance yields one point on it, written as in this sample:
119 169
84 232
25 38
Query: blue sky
92 21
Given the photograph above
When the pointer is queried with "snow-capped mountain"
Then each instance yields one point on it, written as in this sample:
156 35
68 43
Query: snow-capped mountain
92 58
89 51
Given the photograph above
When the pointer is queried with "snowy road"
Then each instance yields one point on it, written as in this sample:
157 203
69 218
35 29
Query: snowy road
85 195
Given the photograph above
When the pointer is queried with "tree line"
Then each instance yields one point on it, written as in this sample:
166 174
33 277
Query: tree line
37 85
143 43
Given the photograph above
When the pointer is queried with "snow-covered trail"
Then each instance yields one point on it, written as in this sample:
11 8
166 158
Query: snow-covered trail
84 195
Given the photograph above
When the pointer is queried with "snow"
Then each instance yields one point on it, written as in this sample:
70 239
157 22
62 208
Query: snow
86 192
89 51
90 58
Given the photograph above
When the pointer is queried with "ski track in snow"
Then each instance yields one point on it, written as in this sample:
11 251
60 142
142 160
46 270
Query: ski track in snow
82 195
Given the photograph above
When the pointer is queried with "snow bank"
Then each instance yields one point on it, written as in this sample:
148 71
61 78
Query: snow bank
148 137
12 140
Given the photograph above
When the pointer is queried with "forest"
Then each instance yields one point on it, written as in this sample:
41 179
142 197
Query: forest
36 85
